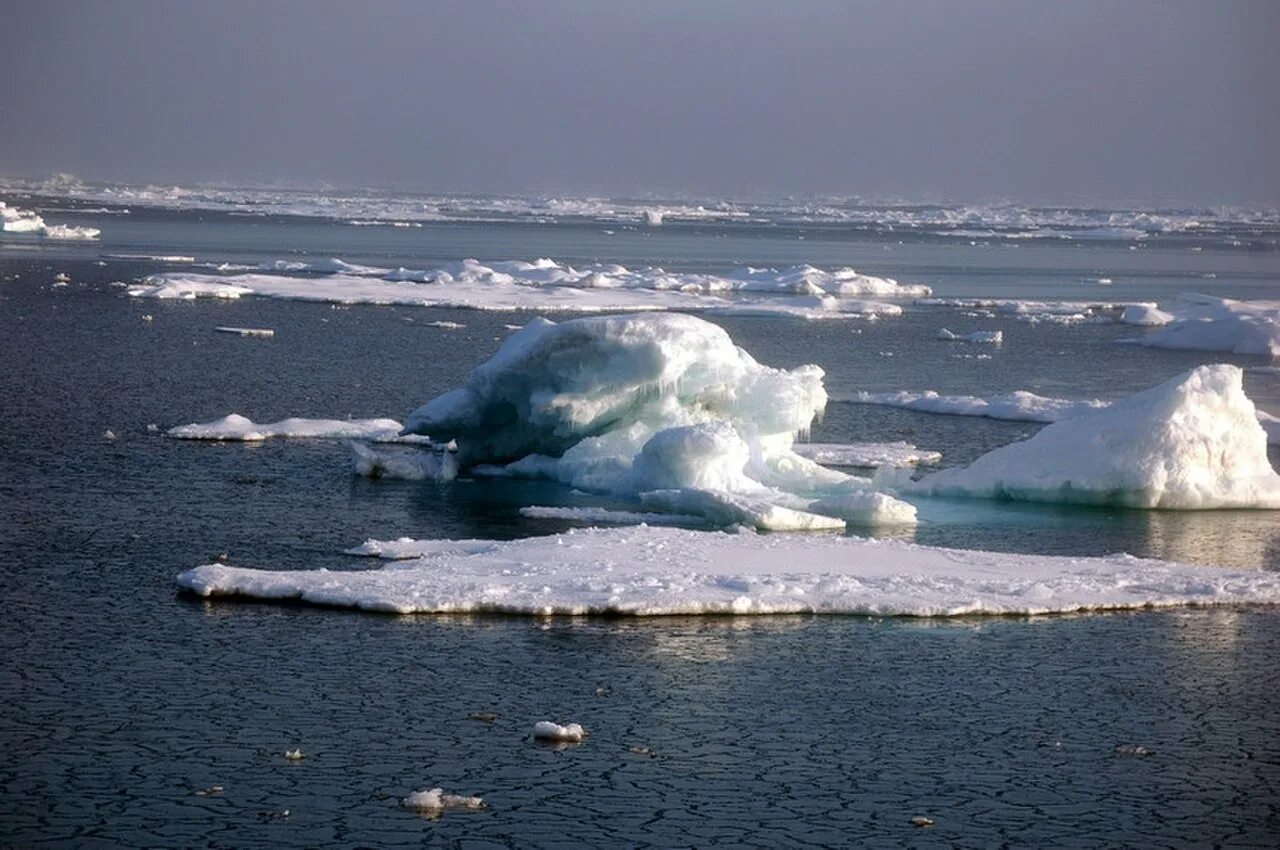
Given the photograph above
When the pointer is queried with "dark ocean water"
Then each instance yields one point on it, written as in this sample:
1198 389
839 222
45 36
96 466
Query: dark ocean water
122 698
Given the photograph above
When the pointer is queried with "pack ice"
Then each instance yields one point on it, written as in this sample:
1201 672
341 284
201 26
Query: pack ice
1192 442
659 408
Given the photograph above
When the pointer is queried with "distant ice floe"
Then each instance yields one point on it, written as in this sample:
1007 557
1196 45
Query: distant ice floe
604 516
1208 323
1020 406
1036 311
235 427
1193 442
658 408
866 455
654 571
546 285
984 337
18 220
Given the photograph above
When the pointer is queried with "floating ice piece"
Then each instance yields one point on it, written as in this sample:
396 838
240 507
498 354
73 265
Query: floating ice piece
246 331
722 508
921 822
1192 442
866 455
1055 312
610 517
435 463
294 755
187 290
154 258
62 277
570 733
434 801
1207 323
1134 750
866 508
448 326
1146 315
18 220
1020 406
239 428
640 570
987 337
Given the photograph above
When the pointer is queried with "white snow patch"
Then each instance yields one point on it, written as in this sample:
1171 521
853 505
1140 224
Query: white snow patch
651 571
1192 442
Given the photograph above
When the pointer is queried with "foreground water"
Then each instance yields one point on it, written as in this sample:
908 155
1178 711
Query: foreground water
123 699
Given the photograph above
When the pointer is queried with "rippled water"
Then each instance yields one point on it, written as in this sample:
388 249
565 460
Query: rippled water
122 699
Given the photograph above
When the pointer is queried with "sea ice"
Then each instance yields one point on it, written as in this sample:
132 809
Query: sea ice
641 570
434 801
987 337
659 407
866 455
1019 406
240 428
1191 442
569 733
1207 323
1146 315
605 516
18 220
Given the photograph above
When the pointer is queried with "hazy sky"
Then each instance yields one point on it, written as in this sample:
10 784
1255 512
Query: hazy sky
1078 100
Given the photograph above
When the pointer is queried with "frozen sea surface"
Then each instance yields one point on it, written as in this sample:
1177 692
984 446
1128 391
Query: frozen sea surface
123 699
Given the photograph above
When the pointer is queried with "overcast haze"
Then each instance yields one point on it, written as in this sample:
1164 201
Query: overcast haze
1172 101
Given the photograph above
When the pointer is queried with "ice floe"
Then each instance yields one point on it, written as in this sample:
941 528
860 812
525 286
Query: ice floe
1033 311
235 427
985 337
569 733
1208 323
866 455
18 220
1192 442
605 516
1019 406
656 407
546 285
434 801
651 571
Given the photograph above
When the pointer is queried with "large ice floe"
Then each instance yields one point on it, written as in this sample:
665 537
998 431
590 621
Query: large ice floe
18 220
1019 406
1192 442
654 571
549 286
236 428
1208 323
659 408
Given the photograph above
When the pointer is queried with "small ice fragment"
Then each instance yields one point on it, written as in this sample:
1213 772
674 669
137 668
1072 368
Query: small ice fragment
294 755
1134 750
153 428
922 822
572 733
642 751
483 716
434 801
1104 281
246 331
211 791
449 326
604 691
283 813
108 434
62 277
147 317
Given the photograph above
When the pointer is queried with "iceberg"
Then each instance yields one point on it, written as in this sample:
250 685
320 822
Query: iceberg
646 571
1193 442
655 407
1208 323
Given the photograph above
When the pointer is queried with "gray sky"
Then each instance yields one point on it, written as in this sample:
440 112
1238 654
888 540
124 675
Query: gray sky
1143 101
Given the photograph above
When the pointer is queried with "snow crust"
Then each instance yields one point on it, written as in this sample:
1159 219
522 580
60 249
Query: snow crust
18 220
545 285
1019 406
240 428
659 408
1207 323
652 571
1192 442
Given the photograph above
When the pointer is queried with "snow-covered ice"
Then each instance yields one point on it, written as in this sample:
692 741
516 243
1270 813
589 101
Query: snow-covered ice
1145 315
436 463
1192 442
18 220
568 733
1019 406
241 428
434 801
651 571
658 407
1208 323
